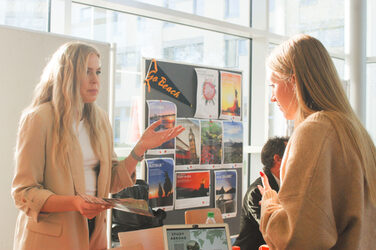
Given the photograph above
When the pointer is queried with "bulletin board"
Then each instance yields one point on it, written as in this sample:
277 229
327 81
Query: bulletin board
183 78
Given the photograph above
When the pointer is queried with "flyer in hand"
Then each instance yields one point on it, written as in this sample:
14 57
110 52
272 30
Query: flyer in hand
130 205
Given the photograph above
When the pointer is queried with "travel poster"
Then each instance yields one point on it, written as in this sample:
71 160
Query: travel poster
165 110
226 192
192 189
211 142
188 142
207 93
160 177
232 142
231 96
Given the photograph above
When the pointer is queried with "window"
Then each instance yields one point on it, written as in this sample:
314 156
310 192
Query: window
31 14
371 100
323 19
231 8
233 11
154 40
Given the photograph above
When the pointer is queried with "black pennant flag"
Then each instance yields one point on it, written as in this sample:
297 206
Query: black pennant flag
158 80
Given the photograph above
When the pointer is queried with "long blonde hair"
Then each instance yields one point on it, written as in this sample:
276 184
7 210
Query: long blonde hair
60 85
318 88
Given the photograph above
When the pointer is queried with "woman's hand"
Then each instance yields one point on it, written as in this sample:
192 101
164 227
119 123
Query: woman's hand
265 181
151 138
90 206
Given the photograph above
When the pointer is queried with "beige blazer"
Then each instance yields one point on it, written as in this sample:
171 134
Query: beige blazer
36 179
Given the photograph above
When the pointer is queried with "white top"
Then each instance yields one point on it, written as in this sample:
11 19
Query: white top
277 180
90 160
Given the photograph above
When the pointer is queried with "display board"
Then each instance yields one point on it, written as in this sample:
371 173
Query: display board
24 54
207 101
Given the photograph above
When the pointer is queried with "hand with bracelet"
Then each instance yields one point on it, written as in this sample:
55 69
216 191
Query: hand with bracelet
152 139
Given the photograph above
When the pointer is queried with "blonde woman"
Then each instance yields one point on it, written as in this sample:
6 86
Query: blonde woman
64 149
327 198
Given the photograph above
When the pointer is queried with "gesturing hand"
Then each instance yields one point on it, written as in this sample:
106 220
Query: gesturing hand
265 181
90 206
151 138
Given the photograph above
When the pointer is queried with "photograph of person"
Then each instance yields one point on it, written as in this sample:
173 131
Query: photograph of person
65 156
327 198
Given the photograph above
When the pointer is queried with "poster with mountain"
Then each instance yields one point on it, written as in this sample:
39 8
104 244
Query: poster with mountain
192 189
160 177
226 192
232 142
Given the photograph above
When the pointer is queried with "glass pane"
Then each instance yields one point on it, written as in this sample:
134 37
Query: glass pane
30 14
138 37
233 11
323 19
340 66
371 28
371 100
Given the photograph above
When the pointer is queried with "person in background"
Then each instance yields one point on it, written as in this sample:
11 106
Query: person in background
250 236
327 198
65 160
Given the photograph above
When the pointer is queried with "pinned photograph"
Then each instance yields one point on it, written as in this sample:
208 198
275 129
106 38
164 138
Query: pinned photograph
207 94
231 96
232 142
211 142
165 111
160 177
226 192
192 189
188 142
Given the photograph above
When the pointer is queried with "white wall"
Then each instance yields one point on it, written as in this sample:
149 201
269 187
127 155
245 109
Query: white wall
23 55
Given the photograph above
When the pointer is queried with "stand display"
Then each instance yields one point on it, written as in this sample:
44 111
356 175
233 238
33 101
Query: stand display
208 155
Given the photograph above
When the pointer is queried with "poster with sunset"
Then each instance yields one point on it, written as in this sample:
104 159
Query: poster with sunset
160 177
165 111
192 189
231 96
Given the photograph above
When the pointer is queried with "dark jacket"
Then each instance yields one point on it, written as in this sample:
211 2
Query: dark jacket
250 236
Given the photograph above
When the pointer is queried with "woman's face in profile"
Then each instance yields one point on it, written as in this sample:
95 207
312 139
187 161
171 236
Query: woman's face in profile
89 89
283 93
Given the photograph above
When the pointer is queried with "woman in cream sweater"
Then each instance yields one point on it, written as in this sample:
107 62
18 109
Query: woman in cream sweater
65 152
327 198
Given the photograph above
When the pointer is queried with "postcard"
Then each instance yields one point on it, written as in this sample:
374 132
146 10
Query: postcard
165 111
192 189
226 192
160 177
231 96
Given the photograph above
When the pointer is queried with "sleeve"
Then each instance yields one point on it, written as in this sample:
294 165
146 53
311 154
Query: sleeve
28 189
120 177
252 203
297 218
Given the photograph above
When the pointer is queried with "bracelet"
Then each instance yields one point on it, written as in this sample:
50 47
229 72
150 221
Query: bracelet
136 157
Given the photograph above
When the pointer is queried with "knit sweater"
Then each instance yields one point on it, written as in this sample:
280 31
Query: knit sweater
324 201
